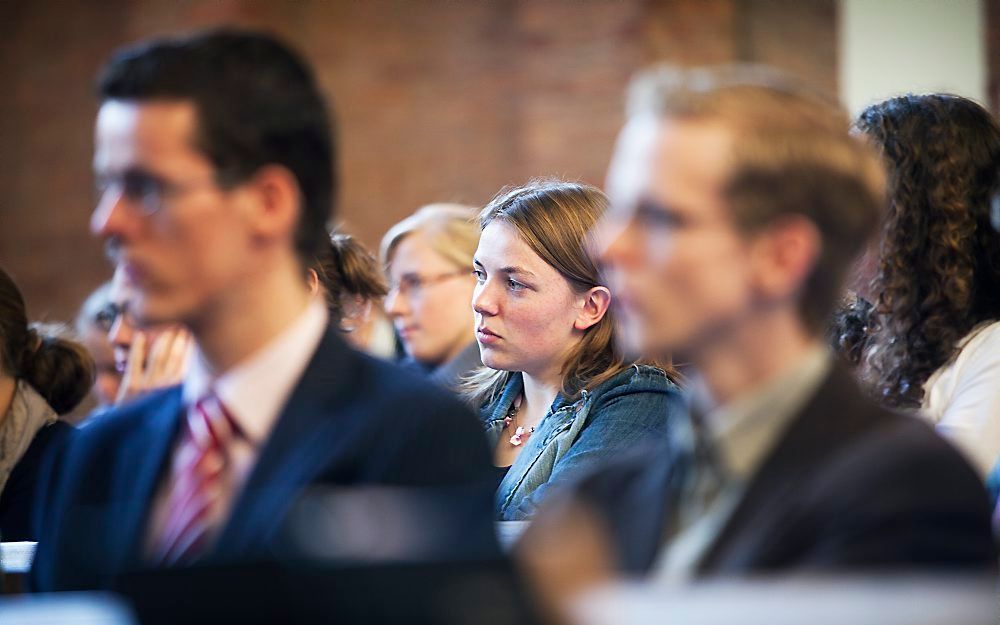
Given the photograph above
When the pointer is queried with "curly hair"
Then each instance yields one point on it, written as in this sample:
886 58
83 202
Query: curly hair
938 272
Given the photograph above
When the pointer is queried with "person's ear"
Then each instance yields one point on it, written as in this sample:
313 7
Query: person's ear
312 281
785 255
276 203
595 304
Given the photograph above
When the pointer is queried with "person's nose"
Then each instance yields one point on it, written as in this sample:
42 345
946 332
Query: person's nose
121 332
110 216
614 241
396 304
484 301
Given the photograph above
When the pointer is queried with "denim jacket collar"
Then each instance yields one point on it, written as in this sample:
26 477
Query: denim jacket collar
514 387
643 396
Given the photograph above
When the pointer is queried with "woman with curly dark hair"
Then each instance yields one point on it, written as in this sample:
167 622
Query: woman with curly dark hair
932 337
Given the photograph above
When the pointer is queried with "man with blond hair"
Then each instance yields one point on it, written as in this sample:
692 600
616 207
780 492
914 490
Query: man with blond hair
739 200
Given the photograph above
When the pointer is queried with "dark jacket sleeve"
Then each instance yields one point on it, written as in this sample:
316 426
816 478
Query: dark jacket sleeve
903 497
29 482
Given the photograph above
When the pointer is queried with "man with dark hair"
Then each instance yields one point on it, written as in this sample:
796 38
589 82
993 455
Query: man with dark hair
214 162
256 104
739 200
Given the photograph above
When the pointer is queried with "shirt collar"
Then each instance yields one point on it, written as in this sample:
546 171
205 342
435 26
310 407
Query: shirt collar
745 430
255 390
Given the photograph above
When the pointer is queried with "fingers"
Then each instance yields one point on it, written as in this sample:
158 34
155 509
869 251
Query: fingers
176 361
167 359
132 379
155 366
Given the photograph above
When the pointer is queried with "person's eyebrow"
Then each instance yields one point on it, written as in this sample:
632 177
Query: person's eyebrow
510 269
518 270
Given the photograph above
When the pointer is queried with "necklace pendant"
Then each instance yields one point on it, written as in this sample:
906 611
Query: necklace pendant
520 434
518 437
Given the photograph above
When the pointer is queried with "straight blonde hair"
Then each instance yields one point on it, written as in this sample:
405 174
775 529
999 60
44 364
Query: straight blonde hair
451 231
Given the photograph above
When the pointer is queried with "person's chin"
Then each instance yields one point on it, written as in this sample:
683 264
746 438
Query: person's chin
414 353
427 357
490 358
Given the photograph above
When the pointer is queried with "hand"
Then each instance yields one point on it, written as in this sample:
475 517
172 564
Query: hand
163 364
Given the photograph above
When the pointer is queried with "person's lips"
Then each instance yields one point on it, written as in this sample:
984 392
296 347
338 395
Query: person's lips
406 332
134 272
485 336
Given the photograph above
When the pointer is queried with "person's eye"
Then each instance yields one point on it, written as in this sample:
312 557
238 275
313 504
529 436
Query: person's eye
657 217
138 186
480 275
514 285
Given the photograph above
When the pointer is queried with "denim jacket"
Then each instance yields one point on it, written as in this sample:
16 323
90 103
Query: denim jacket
630 409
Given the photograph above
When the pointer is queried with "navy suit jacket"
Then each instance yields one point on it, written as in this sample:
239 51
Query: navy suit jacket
351 421
848 486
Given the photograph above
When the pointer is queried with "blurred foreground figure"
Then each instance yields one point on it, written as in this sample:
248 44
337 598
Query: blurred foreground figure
215 165
739 201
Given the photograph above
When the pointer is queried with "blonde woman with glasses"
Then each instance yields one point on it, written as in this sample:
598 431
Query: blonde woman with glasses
428 261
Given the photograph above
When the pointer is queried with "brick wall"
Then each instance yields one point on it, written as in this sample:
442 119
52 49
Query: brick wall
435 99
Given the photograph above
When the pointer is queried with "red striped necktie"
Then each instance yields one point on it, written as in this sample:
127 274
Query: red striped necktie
200 483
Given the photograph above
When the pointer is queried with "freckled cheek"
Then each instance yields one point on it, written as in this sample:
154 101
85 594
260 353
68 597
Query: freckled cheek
541 325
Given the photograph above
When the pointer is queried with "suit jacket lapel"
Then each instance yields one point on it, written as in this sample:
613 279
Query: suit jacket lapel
656 493
150 452
833 413
298 449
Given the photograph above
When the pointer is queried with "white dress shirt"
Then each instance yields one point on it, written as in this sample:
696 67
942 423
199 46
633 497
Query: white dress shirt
962 398
743 433
254 392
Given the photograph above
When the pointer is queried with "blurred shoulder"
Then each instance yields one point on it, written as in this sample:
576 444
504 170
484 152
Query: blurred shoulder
129 418
382 382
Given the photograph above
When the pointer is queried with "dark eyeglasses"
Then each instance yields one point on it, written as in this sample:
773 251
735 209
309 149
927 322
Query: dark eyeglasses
107 316
146 191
